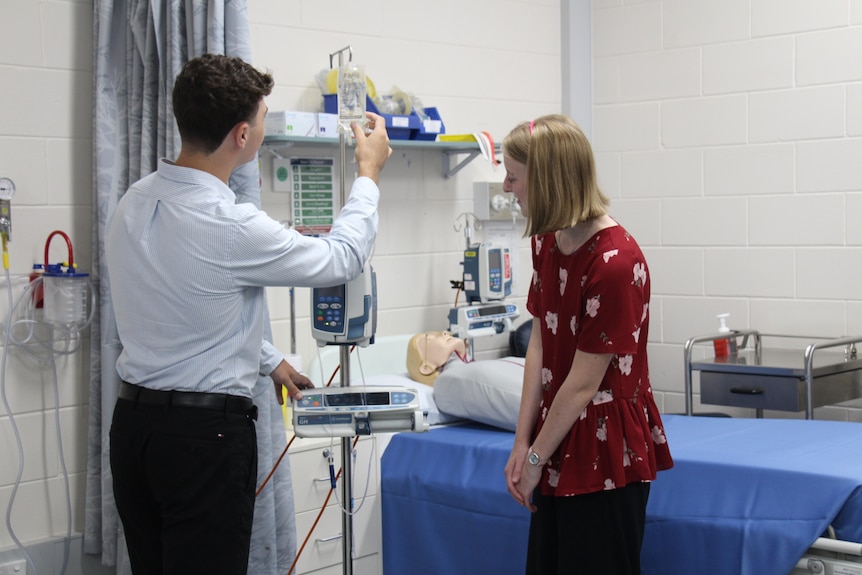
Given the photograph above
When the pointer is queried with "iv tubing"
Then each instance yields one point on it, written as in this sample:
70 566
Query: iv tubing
15 430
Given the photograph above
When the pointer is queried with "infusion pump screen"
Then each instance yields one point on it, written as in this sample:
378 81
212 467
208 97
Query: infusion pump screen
351 399
492 310
495 260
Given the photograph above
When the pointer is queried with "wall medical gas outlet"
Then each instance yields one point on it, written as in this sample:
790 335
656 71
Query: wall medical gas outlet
490 202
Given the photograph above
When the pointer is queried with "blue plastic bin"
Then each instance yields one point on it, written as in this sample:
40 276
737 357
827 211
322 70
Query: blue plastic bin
428 129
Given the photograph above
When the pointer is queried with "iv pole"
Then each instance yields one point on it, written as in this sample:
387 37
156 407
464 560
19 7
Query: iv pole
344 358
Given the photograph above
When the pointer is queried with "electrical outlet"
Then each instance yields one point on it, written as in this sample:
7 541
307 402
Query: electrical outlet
17 567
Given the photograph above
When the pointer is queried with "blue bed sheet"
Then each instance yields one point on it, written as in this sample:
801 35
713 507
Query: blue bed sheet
746 496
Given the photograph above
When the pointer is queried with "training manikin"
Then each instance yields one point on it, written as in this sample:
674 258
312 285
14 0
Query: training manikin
429 352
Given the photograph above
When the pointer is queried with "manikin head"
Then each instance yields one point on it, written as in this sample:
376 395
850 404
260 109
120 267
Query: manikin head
428 352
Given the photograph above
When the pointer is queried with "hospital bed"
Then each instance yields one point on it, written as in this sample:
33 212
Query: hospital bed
746 496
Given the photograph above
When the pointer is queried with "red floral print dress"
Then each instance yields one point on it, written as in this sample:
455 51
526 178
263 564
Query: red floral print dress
597 300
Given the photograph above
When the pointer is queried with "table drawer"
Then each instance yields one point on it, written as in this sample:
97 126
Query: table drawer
758 392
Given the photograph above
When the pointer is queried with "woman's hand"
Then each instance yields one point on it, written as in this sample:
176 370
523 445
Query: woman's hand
521 478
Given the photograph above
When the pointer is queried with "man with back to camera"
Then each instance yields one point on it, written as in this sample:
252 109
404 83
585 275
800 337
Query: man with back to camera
188 267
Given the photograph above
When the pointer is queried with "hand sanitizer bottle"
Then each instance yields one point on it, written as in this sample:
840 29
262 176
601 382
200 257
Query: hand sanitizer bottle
725 346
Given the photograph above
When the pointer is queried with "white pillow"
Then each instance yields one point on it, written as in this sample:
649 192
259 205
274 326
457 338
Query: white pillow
487 391
426 394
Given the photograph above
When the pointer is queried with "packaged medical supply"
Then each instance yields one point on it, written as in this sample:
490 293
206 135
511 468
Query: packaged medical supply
327 125
289 123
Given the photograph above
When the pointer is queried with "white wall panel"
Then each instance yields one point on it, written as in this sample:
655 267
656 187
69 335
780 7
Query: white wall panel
608 170
853 219
676 271
711 121
69 28
606 81
704 221
664 173
775 17
804 318
816 219
748 170
854 109
826 57
829 273
686 317
801 114
21 44
748 66
660 75
627 29
642 218
626 127
751 272
701 22
829 165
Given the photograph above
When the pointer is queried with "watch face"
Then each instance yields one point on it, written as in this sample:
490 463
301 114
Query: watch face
533 458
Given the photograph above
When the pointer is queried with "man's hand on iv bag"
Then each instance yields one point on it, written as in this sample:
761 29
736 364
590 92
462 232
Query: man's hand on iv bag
372 148
285 376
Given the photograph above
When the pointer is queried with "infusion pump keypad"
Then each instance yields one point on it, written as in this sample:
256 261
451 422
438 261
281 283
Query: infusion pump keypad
328 313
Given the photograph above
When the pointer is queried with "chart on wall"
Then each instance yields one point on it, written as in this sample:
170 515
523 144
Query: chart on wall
312 186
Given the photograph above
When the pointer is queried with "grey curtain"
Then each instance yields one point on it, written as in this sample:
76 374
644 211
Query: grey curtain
139 47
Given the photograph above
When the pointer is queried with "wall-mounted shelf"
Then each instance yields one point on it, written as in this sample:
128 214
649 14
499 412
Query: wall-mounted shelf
450 150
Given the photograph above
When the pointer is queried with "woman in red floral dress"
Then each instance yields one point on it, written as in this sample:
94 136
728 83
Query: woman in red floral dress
589 438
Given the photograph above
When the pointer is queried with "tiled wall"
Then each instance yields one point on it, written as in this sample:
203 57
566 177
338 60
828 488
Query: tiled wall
485 64
45 148
480 65
729 135
728 132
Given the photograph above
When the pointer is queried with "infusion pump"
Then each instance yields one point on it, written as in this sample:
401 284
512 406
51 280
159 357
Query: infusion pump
347 313
487 273
349 411
482 319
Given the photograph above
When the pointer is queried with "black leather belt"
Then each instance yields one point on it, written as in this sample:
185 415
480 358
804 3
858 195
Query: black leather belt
217 401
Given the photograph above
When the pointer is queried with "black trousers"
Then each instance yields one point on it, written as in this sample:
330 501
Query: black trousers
184 483
593 534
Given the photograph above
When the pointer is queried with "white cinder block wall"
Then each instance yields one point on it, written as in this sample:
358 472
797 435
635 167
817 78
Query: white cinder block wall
729 134
477 62
46 149
480 65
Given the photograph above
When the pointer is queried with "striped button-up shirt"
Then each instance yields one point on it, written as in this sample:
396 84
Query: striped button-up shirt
187 267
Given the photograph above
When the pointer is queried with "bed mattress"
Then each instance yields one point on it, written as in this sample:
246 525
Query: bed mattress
746 496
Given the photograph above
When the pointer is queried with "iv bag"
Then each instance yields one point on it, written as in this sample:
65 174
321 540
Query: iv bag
351 97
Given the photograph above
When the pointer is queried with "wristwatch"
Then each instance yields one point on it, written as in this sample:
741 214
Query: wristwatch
534 458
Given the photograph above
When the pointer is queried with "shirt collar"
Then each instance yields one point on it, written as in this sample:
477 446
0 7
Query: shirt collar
194 177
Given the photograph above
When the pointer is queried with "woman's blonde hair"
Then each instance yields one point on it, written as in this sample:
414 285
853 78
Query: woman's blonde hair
562 188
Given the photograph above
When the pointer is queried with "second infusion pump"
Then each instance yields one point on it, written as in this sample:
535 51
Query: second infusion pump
487 273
